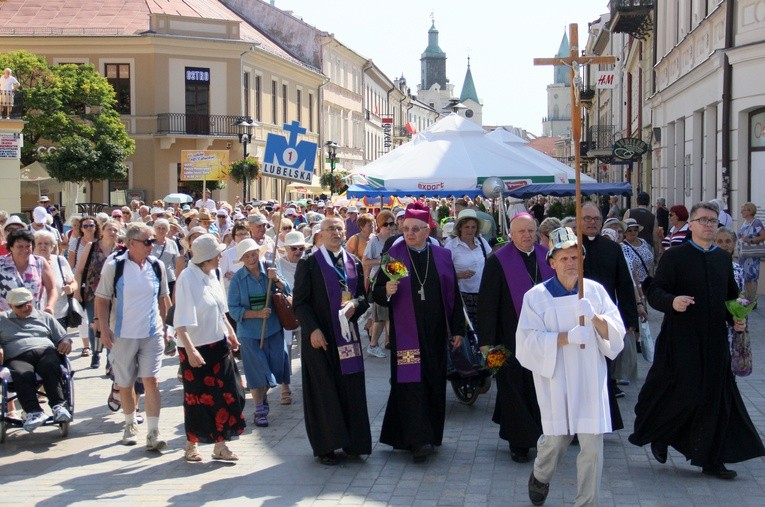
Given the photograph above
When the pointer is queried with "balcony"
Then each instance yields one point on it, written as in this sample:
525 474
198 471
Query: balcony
632 17
599 142
13 99
218 125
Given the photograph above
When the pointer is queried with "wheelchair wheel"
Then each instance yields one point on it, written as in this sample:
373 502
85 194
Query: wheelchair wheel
465 392
64 429
485 386
3 430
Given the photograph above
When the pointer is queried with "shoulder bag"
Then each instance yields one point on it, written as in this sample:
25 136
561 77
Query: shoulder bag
74 312
648 280
283 307
750 250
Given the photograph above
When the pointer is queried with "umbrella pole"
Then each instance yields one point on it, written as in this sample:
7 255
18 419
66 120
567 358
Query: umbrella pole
277 226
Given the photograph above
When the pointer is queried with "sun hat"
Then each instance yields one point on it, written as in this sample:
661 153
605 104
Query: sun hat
185 207
465 214
257 219
294 238
40 215
192 231
352 209
631 222
614 221
44 198
204 215
248 245
222 212
156 211
116 213
560 239
206 247
19 296
610 234
400 214
290 212
14 220
238 216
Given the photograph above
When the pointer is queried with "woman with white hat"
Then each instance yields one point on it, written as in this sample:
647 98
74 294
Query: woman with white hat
265 366
212 402
469 251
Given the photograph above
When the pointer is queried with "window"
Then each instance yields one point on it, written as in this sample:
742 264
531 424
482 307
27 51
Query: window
118 75
284 103
246 86
197 100
299 104
258 99
310 112
273 102
118 192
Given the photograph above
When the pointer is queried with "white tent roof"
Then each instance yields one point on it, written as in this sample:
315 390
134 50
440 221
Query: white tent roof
453 154
521 147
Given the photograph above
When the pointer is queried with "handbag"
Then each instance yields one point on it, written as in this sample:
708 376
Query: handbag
741 355
74 314
748 250
647 345
648 280
283 307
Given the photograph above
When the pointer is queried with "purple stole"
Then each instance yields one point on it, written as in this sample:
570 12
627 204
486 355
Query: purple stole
351 360
510 259
404 321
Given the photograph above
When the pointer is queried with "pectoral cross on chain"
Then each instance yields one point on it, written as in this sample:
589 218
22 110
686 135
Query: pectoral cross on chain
421 292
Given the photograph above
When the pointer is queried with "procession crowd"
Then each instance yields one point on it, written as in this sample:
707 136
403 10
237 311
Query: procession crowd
230 287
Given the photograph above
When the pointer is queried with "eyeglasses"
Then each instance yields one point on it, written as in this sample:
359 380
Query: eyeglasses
297 248
414 229
147 242
88 226
706 221
591 219
388 224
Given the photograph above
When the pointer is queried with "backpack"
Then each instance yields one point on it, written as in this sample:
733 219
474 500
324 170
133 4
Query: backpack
119 268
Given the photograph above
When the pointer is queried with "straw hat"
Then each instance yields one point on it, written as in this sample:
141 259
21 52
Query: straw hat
631 222
204 215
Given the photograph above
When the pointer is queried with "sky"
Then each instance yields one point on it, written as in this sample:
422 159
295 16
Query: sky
501 37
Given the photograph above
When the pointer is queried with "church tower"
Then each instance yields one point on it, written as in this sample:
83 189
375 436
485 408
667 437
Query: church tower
473 109
434 88
558 120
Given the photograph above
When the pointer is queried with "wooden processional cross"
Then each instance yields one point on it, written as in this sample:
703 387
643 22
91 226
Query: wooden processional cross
573 61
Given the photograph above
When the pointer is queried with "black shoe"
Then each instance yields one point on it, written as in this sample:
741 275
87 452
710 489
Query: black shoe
720 472
519 454
351 454
659 452
618 393
420 453
537 490
329 459
95 361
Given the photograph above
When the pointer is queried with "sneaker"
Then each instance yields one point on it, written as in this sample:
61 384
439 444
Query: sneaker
138 416
618 393
61 414
95 361
376 351
34 420
537 490
153 442
130 435
170 347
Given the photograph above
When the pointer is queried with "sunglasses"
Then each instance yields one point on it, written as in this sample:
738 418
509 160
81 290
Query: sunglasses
388 224
147 242
286 228
297 248
88 226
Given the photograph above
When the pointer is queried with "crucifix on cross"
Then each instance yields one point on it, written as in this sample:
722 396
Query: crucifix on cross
573 61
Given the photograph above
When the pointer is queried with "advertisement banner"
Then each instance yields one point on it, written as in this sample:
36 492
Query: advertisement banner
198 165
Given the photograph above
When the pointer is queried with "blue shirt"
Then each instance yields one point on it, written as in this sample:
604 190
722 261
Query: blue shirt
248 292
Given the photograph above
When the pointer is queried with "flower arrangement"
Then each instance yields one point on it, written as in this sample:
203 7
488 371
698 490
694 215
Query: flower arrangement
740 307
496 358
394 269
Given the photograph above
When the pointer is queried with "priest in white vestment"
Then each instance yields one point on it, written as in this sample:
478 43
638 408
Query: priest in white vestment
568 362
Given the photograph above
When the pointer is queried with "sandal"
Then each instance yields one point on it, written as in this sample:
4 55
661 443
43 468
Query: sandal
114 403
261 421
85 352
192 452
286 398
224 454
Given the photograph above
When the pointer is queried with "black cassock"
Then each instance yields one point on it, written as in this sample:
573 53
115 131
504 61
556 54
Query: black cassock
516 409
335 405
690 399
416 410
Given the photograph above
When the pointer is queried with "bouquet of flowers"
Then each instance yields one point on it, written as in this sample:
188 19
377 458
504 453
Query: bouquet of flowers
495 358
740 307
394 269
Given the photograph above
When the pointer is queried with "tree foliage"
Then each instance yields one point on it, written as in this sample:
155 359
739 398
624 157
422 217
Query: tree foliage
70 107
334 181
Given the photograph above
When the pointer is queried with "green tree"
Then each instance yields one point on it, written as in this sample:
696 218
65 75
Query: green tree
70 107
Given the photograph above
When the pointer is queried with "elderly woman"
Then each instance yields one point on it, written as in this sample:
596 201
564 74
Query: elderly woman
212 403
166 250
63 278
727 239
187 253
678 227
469 251
548 225
265 358
357 243
751 232
88 274
229 261
21 268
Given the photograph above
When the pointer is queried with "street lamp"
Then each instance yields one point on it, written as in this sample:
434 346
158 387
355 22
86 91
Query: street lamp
244 126
332 154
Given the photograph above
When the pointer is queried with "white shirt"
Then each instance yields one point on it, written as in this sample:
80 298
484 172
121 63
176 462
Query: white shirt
200 306
465 259
570 382
228 262
62 273
209 204
287 269
7 83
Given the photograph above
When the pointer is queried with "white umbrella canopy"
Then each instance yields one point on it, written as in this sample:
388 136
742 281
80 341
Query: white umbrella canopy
455 155
178 199
521 147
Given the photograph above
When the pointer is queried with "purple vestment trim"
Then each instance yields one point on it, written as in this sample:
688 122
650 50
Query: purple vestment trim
516 275
351 360
404 321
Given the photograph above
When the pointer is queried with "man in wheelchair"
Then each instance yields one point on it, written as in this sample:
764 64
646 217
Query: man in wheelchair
30 343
